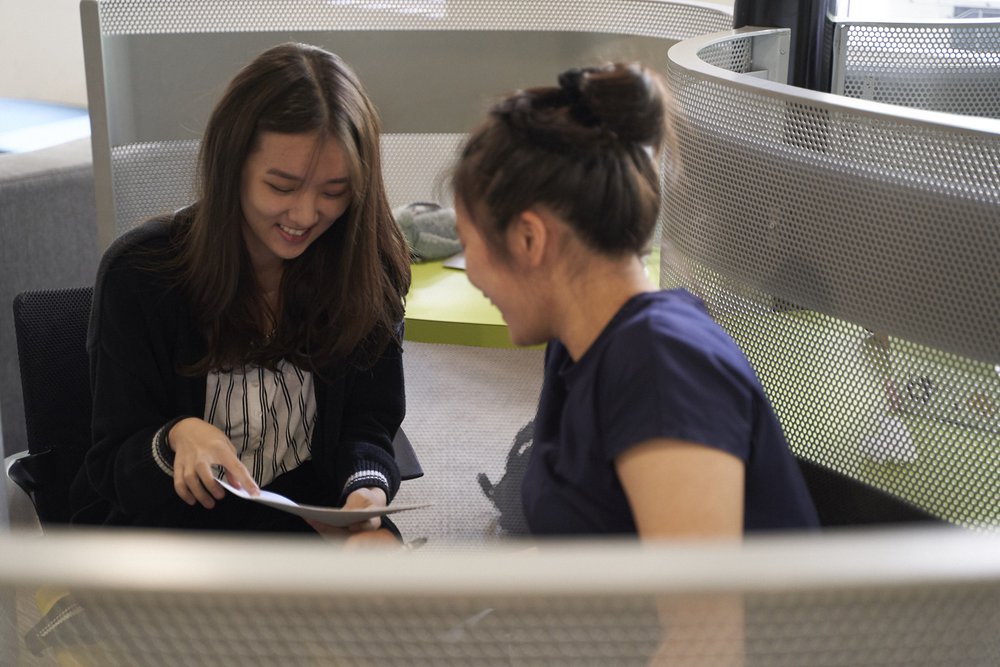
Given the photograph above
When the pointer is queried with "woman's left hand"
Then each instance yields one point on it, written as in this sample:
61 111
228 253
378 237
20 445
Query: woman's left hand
364 498
364 533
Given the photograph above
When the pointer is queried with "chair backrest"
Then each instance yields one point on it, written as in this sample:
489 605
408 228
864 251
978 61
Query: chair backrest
51 331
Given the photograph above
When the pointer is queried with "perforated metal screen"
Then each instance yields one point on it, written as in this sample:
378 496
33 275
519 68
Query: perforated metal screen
953 67
936 626
852 255
159 177
154 145
152 178
908 599
671 20
734 55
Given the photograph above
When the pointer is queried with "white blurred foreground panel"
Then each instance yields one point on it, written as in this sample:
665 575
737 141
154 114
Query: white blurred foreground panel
890 597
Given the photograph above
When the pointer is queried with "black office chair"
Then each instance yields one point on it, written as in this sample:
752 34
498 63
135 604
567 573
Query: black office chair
51 331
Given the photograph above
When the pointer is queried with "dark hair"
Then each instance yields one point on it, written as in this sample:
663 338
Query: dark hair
343 297
585 149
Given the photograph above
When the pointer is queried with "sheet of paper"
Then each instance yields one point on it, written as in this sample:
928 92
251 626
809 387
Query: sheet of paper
333 516
455 262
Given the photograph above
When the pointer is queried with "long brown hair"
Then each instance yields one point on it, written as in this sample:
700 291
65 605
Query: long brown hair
343 297
585 148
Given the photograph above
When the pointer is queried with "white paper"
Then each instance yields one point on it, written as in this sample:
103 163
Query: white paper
333 516
455 262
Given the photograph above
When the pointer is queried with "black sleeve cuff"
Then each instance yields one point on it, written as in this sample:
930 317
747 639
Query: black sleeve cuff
368 473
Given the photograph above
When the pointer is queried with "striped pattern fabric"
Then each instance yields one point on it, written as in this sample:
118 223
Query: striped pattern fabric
268 415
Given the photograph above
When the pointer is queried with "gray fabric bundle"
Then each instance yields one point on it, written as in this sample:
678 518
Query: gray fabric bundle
429 230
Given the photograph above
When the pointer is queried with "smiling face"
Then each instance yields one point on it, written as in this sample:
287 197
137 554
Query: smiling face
517 293
293 188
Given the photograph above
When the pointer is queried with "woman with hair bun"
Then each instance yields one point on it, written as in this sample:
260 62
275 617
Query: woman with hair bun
650 420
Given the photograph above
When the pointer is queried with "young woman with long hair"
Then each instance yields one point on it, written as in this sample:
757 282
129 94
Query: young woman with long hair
256 333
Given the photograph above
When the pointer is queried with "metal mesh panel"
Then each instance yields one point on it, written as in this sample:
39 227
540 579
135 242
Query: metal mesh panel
642 17
159 177
852 257
734 55
915 626
940 627
416 167
156 173
879 220
152 179
953 67
545 608
917 422
202 630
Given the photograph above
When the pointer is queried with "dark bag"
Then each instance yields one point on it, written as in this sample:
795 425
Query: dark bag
506 494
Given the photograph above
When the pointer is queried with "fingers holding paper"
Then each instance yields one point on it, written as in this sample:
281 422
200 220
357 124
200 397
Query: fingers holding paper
198 448
365 498
359 499
365 533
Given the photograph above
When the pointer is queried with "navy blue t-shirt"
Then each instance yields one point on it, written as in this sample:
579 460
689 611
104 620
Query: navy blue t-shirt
662 368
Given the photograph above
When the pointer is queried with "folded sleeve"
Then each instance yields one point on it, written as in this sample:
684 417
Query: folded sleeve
672 387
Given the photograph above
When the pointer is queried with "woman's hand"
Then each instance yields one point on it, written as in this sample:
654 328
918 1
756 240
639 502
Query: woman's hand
364 498
364 533
197 447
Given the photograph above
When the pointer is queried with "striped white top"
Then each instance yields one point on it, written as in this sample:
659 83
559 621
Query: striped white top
268 415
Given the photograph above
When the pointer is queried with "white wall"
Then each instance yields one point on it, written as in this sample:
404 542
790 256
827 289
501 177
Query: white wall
42 51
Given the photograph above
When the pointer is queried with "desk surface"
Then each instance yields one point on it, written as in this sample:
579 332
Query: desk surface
444 307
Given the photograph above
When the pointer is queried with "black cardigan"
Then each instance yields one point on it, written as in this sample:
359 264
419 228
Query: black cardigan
141 333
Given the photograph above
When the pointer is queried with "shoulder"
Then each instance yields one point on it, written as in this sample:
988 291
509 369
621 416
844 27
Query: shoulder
670 321
139 244
667 346
134 268
670 371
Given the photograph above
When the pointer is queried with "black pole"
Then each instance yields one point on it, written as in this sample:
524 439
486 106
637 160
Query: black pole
809 58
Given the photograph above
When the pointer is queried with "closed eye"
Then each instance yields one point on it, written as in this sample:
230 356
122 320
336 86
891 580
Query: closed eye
278 188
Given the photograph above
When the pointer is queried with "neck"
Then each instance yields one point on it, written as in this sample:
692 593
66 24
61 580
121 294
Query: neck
592 295
269 284
269 280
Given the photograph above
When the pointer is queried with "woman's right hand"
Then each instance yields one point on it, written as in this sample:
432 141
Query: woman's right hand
197 447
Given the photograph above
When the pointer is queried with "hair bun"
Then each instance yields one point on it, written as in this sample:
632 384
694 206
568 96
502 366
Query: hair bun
626 98
570 81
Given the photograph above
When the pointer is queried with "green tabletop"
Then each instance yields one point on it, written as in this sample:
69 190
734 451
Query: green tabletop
444 307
